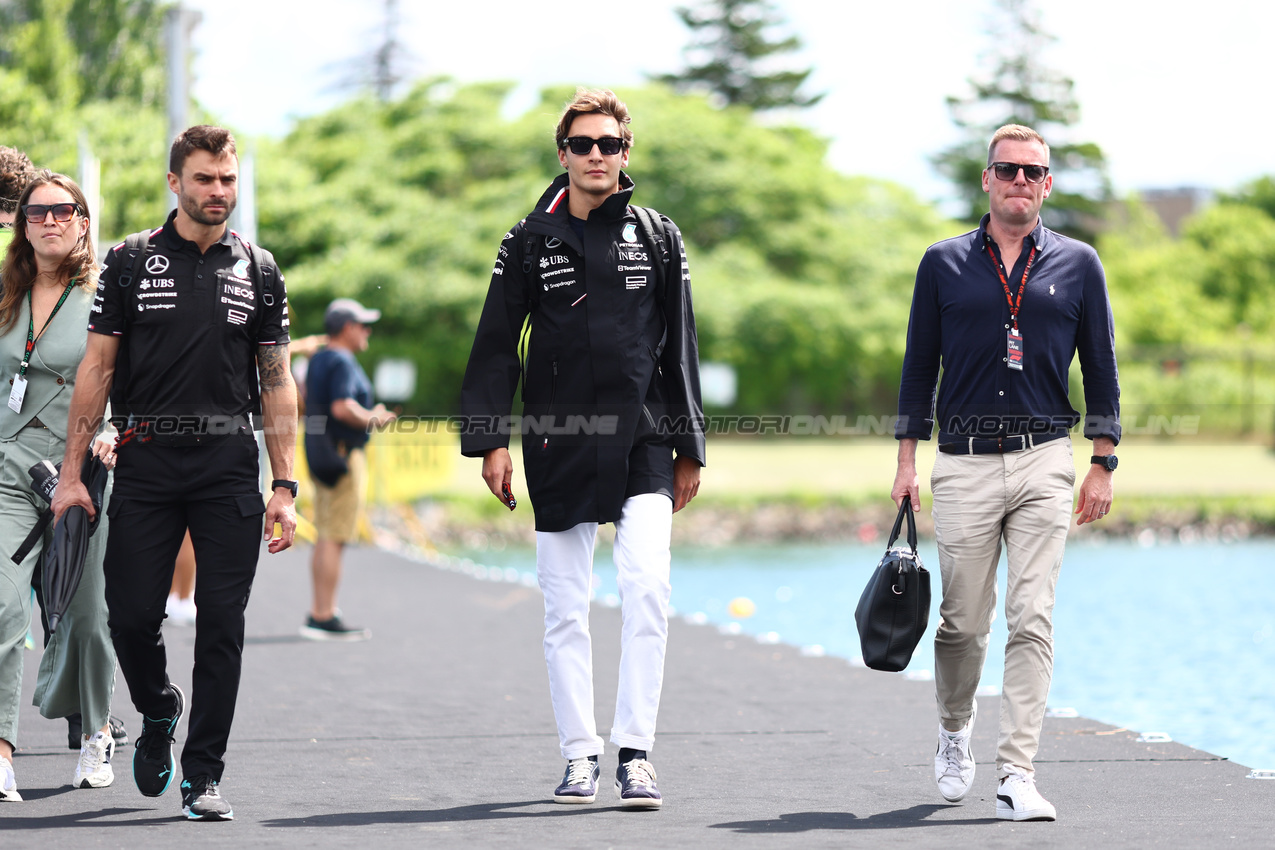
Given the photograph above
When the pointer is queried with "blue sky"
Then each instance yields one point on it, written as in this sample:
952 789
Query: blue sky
1175 95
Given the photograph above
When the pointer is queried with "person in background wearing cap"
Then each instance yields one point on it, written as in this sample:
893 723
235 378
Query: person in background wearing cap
338 390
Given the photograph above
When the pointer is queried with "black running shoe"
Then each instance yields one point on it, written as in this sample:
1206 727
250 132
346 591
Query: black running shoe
153 763
202 801
75 731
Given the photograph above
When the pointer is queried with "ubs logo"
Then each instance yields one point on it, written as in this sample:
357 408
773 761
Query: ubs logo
157 264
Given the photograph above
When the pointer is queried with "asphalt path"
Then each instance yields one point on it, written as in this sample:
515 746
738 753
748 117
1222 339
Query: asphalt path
438 733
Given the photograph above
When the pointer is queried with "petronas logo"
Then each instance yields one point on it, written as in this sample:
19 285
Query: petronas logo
630 233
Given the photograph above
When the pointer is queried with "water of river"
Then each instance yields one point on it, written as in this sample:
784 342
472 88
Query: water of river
1178 639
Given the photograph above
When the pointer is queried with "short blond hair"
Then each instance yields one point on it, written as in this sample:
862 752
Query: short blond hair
588 101
1017 133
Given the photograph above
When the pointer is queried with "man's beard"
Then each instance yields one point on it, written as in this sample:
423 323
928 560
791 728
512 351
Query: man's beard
191 207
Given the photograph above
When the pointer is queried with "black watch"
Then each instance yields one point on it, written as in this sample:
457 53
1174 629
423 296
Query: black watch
283 482
1107 462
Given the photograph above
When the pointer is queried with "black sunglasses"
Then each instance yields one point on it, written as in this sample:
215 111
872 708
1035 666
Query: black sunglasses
1009 170
582 145
35 213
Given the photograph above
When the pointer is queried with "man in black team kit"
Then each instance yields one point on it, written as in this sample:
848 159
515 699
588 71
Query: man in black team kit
181 332
609 342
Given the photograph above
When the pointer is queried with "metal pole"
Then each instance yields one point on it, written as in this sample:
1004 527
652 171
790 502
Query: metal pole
179 23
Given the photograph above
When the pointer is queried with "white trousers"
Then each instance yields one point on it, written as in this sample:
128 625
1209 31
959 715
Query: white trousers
564 567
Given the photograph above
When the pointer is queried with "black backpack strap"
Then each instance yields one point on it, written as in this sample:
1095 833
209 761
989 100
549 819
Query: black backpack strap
652 226
136 243
531 243
264 274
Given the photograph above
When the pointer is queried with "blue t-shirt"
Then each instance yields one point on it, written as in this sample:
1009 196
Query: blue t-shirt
334 374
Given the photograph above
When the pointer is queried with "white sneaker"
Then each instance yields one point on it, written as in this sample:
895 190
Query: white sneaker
94 769
8 783
954 761
1018 799
181 612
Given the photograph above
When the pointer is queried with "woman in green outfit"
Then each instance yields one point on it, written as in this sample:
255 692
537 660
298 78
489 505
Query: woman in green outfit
47 282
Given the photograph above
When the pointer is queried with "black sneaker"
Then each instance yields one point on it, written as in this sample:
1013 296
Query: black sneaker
75 731
579 782
153 763
202 801
635 785
333 629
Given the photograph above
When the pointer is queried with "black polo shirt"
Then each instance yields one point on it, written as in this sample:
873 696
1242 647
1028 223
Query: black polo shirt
189 325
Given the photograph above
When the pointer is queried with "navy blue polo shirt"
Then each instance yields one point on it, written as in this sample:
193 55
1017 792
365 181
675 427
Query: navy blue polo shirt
334 374
959 323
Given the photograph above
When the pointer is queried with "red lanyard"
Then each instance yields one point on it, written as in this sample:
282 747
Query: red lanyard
1014 303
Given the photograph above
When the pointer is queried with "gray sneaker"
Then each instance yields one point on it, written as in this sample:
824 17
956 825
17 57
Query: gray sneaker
202 801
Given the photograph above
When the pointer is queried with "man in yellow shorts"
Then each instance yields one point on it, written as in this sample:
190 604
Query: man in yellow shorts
339 394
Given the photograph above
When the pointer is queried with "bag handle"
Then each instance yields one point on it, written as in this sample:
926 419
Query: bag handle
905 510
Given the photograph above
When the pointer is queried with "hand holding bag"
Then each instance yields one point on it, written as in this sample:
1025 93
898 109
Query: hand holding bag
895 607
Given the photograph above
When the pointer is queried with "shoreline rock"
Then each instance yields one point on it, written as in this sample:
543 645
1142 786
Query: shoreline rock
435 524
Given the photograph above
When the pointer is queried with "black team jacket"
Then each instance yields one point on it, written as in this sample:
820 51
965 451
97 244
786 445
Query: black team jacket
610 381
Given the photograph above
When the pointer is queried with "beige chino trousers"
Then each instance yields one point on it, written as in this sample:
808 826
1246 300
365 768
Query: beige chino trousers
1024 498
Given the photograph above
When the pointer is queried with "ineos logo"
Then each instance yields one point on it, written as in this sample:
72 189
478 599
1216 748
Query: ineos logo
157 264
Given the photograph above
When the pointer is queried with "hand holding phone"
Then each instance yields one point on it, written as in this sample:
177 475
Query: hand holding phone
508 497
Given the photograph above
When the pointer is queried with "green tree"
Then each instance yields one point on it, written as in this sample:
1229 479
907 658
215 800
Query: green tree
1016 87
734 53
78 51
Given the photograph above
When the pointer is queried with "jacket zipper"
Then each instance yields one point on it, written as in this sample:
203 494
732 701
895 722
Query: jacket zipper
553 392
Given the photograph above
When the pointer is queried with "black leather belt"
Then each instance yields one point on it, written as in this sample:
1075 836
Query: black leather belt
998 445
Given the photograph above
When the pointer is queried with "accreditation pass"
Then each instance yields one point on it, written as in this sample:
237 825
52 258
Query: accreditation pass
1015 345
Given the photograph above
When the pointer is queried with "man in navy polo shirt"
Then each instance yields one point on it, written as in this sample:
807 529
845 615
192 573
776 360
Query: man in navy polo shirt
1003 310
184 347
339 393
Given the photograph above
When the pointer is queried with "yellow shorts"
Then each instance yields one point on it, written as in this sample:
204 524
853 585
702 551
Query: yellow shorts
337 509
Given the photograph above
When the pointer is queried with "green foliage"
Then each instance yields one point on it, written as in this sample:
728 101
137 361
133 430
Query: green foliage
1017 89
734 49
78 51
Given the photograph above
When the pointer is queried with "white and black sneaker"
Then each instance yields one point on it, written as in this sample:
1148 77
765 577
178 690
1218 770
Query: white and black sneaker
94 767
954 761
1018 799
635 785
8 783
333 629
202 801
580 782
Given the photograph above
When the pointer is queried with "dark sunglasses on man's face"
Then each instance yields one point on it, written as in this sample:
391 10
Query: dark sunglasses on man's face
582 145
1009 170
35 213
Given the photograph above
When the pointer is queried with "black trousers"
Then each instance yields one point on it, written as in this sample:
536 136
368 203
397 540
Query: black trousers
160 492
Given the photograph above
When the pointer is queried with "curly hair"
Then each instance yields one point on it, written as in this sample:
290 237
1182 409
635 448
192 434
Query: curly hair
16 171
19 271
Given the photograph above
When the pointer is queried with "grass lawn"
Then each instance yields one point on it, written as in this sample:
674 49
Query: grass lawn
854 470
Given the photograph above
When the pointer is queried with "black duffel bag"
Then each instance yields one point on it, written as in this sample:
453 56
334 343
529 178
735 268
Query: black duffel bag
895 607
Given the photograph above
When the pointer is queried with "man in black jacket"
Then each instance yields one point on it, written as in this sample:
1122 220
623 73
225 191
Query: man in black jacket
595 296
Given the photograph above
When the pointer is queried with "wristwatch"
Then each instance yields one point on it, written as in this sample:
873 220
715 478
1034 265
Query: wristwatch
283 482
1107 462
